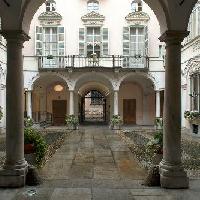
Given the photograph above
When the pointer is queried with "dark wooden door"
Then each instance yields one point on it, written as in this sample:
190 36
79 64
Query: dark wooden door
59 112
129 111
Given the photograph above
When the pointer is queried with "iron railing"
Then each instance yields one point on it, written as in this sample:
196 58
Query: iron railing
55 62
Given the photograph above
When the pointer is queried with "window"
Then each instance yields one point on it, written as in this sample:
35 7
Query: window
50 6
93 40
135 45
136 6
93 6
50 42
195 91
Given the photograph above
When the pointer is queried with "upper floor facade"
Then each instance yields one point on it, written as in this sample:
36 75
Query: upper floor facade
83 33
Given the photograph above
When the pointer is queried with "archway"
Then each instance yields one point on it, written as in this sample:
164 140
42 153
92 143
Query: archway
50 97
94 103
137 100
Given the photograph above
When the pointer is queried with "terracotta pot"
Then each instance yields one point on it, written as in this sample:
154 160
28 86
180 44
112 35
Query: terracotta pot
29 148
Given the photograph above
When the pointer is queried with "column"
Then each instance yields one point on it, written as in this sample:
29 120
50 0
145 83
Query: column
116 102
29 104
157 103
71 102
172 174
15 167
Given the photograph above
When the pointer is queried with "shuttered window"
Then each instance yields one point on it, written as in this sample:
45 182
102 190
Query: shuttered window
105 41
81 41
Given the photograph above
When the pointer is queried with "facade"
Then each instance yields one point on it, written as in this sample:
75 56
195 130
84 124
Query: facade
190 69
173 17
81 47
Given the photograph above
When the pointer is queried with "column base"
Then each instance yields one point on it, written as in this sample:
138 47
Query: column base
13 178
173 176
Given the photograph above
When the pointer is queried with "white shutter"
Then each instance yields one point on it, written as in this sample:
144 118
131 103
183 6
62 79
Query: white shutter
81 41
38 41
61 41
146 45
126 41
105 41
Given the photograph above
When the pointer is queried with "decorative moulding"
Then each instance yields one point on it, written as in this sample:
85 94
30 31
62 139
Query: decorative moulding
50 19
193 66
137 18
93 18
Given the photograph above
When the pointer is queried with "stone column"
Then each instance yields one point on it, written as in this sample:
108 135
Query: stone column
15 167
29 104
157 103
171 170
116 102
71 102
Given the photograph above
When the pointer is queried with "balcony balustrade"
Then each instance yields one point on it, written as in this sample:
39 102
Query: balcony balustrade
77 61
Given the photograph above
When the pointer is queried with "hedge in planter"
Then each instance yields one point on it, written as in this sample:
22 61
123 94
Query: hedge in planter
31 136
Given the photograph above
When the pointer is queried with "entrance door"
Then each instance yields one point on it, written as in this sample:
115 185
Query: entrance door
129 111
59 112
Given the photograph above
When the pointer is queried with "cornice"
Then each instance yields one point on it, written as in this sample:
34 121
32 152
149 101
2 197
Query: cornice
93 18
137 17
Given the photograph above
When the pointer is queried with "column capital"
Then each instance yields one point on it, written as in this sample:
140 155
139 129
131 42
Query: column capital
173 36
18 36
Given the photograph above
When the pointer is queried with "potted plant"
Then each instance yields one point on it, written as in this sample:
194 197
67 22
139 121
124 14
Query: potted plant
72 122
50 57
192 116
116 122
34 144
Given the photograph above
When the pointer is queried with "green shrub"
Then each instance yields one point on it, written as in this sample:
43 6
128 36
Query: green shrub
71 120
31 136
28 122
116 120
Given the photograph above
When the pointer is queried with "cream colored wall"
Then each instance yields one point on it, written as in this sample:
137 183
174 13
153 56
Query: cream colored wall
145 103
132 91
72 11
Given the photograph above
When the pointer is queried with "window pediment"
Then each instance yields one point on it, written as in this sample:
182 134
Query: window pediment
50 18
137 18
93 18
193 66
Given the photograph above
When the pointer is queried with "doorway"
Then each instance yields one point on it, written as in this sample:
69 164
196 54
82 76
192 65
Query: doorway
59 108
129 111
93 107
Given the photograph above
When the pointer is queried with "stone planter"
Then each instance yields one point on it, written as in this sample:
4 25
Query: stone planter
72 126
157 158
116 127
29 154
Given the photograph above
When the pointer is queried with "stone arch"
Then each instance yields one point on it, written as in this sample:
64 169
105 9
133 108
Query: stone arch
144 75
41 75
92 77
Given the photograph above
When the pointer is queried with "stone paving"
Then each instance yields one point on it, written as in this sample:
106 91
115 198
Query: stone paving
95 164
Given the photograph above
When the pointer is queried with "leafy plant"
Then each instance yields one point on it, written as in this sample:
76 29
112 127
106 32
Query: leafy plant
71 120
191 115
50 57
28 122
1 113
31 136
159 123
116 120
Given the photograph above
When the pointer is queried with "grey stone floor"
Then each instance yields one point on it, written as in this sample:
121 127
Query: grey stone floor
95 164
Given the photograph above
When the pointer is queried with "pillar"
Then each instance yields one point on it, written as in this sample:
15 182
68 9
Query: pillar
157 103
15 168
29 104
71 102
172 174
116 102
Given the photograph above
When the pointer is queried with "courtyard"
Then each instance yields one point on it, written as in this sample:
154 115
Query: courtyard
95 163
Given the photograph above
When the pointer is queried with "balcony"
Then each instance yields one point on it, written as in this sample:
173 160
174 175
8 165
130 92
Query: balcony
77 61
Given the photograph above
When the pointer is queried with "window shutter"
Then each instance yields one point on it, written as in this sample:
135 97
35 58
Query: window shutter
81 41
61 41
146 40
126 41
38 41
105 41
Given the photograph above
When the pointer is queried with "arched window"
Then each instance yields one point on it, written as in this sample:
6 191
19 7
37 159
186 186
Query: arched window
50 6
136 6
93 6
